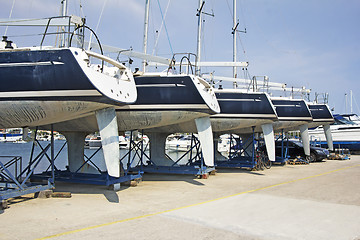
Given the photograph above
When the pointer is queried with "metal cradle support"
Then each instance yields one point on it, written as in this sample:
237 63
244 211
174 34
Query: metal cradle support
243 152
15 180
284 148
79 172
160 162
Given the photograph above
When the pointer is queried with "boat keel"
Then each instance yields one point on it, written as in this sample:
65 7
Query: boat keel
106 120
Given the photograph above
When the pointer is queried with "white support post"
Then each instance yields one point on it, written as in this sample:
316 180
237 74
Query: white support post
157 149
75 142
218 156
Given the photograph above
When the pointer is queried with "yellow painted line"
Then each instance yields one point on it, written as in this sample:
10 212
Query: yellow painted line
193 205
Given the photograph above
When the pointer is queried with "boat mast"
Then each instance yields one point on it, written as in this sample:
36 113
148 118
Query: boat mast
198 51
63 13
351 107
146 31
64 7
346 99
234 39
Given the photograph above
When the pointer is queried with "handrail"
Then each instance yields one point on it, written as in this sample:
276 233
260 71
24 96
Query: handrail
97 39
48 24
106 59
188 65
186 56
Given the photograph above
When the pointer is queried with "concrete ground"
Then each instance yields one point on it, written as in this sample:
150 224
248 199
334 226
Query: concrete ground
316 201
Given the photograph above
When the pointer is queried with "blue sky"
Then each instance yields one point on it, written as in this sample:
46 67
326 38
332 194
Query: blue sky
311 43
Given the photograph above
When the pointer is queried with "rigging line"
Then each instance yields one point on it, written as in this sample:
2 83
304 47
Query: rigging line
242 45
98 23
81 9
74 7
156 35
238 34
167 34
357 106
242 13
229 8
11 11
162 24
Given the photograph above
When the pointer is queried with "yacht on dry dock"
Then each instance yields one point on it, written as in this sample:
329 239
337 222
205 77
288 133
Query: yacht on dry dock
45 85
293 114
241 113
162 100
322 117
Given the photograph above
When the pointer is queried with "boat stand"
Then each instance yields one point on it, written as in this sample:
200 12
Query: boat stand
100 178
15 179
194 166
239 156
283 158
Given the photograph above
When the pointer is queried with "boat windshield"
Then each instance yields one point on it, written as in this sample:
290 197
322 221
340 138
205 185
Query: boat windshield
341 121
354 117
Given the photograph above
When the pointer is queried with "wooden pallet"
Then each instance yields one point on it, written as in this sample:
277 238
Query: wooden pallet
297 161
339 156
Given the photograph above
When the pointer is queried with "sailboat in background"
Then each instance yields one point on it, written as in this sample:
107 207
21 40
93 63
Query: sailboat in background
11 135
351 116
345 131
345 134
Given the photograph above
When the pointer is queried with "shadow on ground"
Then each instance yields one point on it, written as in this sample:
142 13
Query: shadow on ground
240 170
13 201
79 188
192 179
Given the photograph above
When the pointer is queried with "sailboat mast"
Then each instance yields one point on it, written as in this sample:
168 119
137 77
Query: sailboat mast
234 38
198 51
351 107
346 99
146 31
64 8
63 13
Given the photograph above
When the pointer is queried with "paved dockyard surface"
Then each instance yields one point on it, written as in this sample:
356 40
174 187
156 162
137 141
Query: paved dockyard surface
316 201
